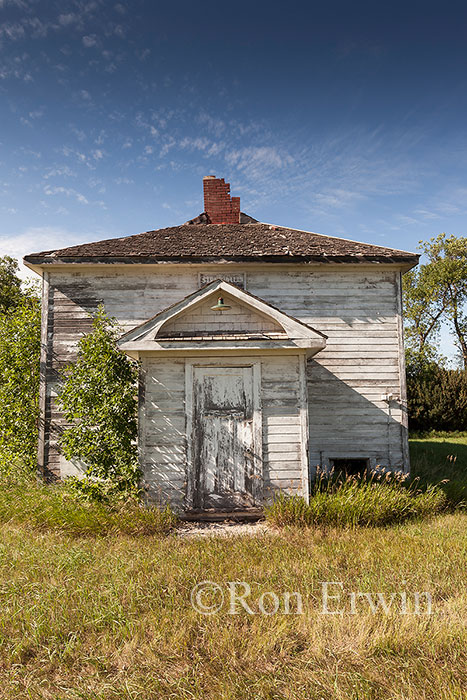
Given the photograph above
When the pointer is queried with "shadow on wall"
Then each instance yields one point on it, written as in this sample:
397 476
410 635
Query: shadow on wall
346 424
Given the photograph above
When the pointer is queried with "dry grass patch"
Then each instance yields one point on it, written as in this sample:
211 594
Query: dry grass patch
54 507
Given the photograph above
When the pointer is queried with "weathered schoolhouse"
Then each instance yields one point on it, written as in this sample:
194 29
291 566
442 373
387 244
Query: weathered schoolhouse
265 352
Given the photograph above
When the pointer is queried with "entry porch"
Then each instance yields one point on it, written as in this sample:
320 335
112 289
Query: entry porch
223 401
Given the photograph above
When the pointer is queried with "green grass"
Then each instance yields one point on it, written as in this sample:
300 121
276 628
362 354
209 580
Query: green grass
438 480
441 457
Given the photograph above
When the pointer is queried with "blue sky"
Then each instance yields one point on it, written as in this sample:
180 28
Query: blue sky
342 118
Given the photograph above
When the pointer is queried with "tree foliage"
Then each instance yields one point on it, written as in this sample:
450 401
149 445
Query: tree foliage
424 308
447 259
437 292
437 398
98 400
11 293
20 322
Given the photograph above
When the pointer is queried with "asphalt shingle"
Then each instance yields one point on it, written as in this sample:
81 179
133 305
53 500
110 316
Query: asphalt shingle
213 242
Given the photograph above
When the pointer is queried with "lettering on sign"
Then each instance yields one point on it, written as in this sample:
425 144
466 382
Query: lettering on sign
238 279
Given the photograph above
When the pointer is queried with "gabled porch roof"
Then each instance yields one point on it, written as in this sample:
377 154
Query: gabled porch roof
291 334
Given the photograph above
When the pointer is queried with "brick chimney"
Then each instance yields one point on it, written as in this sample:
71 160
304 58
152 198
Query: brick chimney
220 207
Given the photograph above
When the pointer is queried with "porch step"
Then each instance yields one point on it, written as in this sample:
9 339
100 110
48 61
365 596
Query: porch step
215 516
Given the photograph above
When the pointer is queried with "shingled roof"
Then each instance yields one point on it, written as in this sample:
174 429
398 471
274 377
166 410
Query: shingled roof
198 241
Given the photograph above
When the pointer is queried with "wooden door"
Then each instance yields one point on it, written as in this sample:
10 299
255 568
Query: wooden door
225 457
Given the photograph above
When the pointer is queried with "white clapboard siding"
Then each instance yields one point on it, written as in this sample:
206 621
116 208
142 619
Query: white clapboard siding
162 439
356 307
359 314
202 318
163 443
282 425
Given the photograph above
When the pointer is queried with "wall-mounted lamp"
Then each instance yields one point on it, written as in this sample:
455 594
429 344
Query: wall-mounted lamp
220 306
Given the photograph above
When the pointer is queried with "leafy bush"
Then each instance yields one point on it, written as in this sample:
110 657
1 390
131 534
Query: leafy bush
55 507
372 500
20 329
98 399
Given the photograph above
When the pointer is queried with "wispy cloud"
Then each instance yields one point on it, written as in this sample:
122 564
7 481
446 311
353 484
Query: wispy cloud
256 158
337 198
59 171
66 20
37 113
36 239
197 144
90 41
425 214
52 191
14 3
90 159
67 191
124 181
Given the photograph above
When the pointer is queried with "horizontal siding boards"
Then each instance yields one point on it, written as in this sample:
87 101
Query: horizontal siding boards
202 318
163 451
356 308
130 298
282 437
162 438
69 319
359 364
346 381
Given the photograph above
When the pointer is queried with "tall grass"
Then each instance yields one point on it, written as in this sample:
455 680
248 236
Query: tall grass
373 499
54 507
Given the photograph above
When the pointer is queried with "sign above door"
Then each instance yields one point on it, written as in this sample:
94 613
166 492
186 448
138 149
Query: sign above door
238 279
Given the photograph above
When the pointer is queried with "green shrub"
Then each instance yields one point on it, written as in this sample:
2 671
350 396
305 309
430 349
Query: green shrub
20 329
372 500
98 400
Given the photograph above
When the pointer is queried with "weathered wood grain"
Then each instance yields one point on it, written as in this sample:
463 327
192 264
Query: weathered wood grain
358 308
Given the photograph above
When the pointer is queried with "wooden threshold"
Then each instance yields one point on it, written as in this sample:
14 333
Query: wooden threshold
214 516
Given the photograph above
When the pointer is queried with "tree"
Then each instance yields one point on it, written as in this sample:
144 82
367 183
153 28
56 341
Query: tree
436 292
437 399
20 329
10 284
19 368
447 256
98 399
424 307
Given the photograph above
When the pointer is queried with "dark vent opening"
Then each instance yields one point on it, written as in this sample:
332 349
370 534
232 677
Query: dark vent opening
351 466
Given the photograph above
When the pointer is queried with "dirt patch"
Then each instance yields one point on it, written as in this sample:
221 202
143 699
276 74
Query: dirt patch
224 528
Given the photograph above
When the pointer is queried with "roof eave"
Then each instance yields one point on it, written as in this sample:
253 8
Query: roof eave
310 346
39 262
37 267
